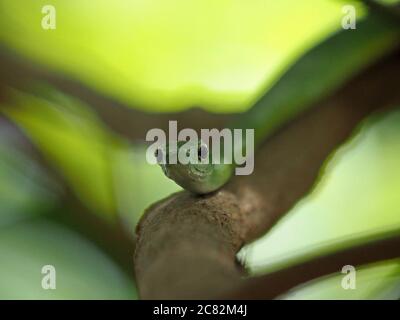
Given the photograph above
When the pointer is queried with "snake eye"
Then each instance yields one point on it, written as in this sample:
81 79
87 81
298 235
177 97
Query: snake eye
159 155
202 152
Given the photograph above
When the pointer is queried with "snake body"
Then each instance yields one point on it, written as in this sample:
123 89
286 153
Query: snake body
317 74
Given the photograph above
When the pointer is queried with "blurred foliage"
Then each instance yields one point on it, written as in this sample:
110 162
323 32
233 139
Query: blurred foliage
99 166
25 190
376 281
364 173
82 271
165 55
74 141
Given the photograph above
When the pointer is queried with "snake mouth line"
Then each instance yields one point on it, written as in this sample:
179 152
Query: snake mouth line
198 173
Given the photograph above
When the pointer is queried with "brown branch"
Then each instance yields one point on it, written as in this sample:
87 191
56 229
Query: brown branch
186 245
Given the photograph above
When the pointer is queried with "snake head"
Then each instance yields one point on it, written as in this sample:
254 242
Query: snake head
189 165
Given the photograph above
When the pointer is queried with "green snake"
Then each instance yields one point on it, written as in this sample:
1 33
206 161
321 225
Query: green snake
318 73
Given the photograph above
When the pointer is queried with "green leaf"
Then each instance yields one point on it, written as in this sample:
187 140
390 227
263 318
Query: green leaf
108 174
375 281
82 270
357 195
320 72
74 140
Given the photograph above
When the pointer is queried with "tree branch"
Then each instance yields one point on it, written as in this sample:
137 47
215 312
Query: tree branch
186 244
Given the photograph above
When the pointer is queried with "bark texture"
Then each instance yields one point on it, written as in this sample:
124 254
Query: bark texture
186 244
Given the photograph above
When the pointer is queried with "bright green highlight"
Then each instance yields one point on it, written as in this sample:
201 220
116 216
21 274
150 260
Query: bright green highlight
358 194
104 171
375 281
165 55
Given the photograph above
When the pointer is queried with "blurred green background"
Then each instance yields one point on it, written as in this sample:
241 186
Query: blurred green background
61 164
